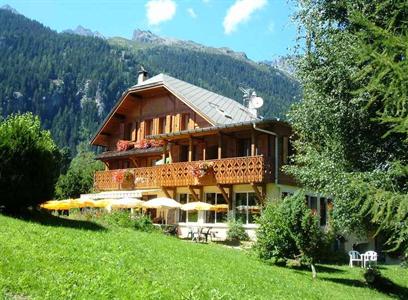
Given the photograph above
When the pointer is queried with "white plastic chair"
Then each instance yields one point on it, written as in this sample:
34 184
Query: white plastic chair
355 256
368 257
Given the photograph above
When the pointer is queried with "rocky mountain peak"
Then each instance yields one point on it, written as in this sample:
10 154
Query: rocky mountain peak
80 30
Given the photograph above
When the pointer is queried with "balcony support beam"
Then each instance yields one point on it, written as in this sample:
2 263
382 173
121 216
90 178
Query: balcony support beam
225 195
193 193
260 194
166 191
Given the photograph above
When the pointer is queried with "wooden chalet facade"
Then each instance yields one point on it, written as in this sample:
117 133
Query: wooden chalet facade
166 137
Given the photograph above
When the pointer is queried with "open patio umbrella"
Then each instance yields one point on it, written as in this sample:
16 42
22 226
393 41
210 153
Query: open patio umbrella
101 203
161 202
220 207
56 205
198 205
81 203
126 203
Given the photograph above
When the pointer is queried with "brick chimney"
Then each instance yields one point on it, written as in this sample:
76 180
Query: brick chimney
142 75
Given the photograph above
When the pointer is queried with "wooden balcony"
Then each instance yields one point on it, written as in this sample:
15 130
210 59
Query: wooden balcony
236 170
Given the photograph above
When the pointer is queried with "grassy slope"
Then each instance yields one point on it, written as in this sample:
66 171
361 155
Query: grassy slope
49 262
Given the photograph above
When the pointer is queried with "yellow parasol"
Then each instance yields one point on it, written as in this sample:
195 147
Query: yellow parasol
220 207
198 205
126 203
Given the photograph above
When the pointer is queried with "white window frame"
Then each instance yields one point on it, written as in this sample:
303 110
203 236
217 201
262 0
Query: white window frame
247 199
216 202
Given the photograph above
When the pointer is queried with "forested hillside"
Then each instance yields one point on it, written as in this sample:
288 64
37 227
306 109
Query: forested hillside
72 81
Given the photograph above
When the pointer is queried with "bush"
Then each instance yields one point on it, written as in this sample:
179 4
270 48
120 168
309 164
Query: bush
120 218
274 240
123 218
290 230
143 223
29 162
236 231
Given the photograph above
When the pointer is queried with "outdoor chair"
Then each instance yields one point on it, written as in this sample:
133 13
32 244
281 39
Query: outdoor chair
355 256
207 233
368 257
171 229
196 235
190 233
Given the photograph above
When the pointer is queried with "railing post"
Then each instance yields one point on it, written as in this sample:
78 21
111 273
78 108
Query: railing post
219 145
190 149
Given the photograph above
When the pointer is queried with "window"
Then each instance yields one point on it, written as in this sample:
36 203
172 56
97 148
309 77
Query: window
323 212
162 125
286 194
183 213
185 118
312 202
183 153
187 216
246 208
148 127
244 147
319 205
212 152
220 215
128 132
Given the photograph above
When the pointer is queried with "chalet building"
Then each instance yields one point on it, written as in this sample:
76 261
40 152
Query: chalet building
169 138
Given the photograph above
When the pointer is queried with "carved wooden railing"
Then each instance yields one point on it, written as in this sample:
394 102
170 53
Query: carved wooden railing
236 170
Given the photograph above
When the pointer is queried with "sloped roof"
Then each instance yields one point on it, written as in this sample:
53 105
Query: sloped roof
216 108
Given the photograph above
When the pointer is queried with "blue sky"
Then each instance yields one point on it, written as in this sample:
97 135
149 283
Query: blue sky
263 29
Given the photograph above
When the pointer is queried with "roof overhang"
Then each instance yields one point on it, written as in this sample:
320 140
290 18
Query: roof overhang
134 90
132 152
215 129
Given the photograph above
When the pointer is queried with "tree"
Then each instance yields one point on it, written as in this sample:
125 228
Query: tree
351 140
79 177
29 162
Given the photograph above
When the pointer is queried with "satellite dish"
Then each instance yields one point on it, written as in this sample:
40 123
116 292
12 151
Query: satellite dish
256 102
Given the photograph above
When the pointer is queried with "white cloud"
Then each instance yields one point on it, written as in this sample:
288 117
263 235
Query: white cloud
240 12
158 11
192 13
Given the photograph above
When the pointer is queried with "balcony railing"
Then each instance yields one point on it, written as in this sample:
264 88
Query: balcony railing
236 170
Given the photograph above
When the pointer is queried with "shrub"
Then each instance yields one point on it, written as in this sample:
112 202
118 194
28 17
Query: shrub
29 162
274 240
290 230
123 218
143 223
236 231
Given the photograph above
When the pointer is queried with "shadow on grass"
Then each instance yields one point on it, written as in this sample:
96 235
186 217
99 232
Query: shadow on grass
47 219
383 285
306 268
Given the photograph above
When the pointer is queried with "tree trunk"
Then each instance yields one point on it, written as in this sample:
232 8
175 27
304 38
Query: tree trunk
314 274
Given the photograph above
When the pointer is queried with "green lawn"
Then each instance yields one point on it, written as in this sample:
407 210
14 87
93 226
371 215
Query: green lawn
47 261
